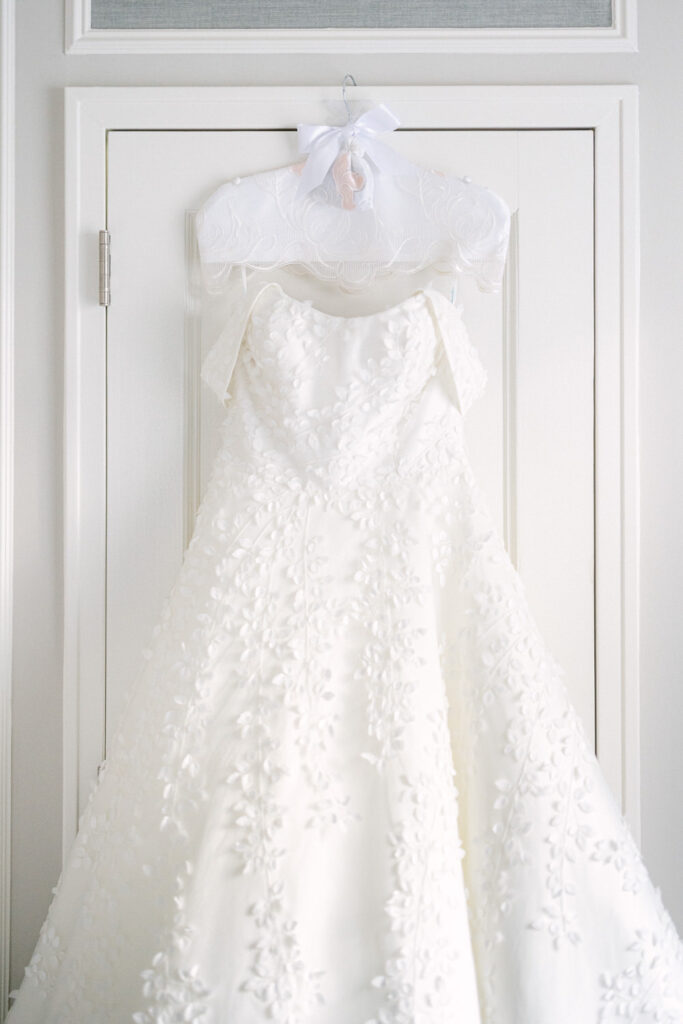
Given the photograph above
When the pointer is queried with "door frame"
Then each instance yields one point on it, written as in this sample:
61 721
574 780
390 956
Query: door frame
7 227
611 111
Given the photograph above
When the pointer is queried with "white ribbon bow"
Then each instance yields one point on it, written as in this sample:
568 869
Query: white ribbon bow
324 142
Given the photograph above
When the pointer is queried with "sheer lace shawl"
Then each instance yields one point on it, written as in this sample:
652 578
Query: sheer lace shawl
428 219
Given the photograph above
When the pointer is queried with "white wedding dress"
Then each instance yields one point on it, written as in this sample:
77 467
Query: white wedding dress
349 786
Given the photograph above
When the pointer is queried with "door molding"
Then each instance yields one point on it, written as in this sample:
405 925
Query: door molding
611 111
620 37
7 137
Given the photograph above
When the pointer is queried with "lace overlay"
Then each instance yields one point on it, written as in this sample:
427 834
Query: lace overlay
426 219
349 786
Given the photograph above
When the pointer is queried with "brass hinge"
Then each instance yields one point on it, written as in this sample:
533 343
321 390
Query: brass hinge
105 268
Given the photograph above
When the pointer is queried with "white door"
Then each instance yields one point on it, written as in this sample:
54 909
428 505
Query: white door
531 436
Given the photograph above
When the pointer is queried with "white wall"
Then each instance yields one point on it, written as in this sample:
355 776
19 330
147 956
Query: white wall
43 71
658 72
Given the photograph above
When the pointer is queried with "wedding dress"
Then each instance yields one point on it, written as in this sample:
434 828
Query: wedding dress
349 785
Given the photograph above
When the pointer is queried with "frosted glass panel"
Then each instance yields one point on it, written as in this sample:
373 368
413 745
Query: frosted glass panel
203 14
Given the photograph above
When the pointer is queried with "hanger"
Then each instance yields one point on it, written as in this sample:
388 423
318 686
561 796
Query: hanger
269 219
345 101
453 294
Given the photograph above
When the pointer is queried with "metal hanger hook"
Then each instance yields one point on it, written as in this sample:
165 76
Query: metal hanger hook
348 112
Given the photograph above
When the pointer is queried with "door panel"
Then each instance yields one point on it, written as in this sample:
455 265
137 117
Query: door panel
530 436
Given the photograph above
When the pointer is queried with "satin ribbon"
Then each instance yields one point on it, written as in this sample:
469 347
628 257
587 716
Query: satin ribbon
324 143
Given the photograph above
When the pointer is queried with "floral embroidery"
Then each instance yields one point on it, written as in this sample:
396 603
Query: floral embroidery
43 967
347 622
644 991
305 633
279 979
421 980
390 663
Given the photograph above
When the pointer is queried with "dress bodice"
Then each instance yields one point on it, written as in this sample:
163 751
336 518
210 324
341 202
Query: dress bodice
338 397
